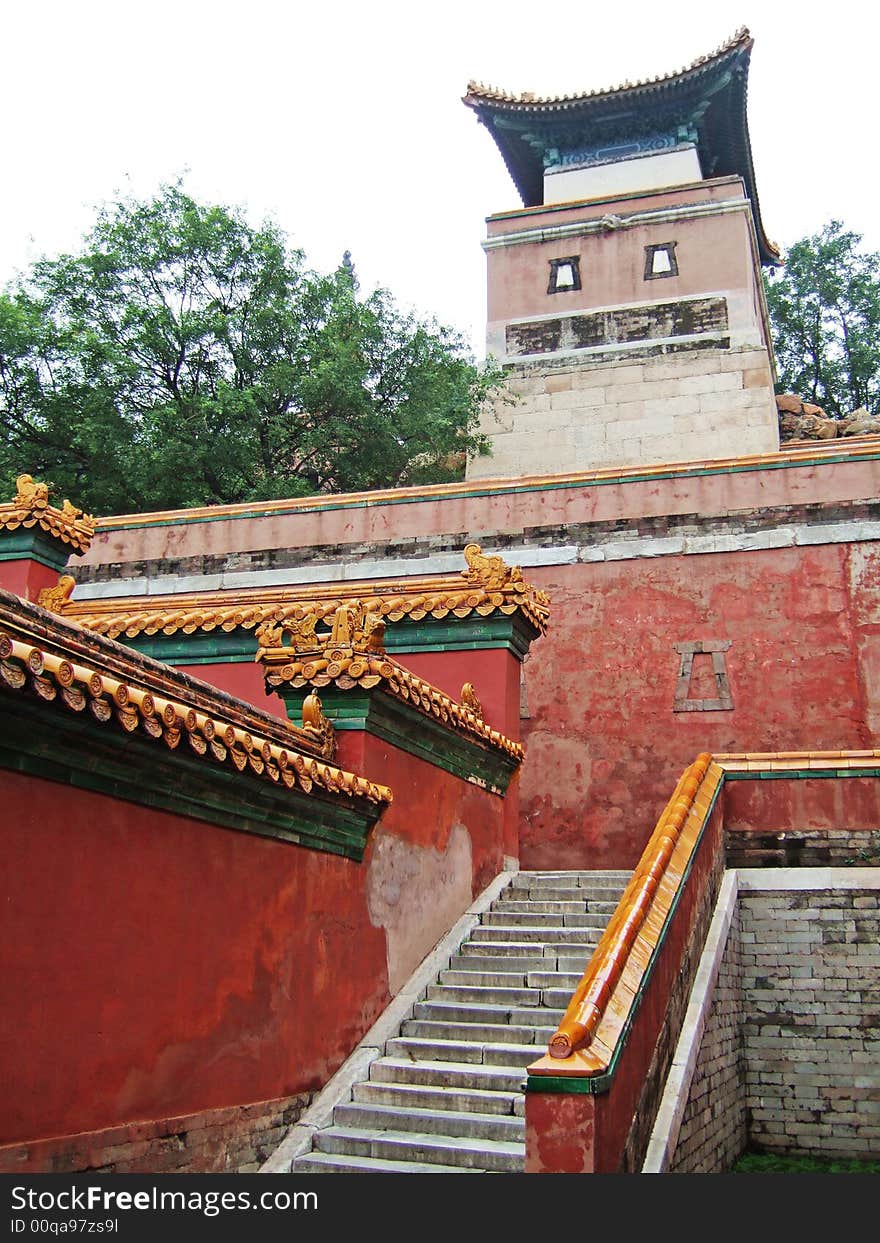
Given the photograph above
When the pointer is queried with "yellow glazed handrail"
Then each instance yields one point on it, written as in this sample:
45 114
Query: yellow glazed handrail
590 998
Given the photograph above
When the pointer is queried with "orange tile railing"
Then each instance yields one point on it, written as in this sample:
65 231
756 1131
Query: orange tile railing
606 966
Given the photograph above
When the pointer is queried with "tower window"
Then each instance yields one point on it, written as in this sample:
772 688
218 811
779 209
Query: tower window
660 261
565 274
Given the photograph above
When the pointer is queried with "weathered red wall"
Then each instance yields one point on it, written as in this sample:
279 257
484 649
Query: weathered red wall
244 679
26 577
162 966
495 674
603 745
808 804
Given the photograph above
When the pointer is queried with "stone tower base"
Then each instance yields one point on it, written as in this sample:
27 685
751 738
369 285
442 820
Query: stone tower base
671 407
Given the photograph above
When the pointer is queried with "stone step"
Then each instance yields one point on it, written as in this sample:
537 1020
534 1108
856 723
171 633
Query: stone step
488 1053
541 975
337 1163
447 1096
459 1012
518 903
483 1154
570 880
405 1096
558 997
554 979
448 1122
484 996
525 934
512 952
570 964
560 896
486 979
443 1074
516 919
533 1034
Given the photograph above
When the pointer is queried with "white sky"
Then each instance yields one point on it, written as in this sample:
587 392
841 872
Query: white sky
343 122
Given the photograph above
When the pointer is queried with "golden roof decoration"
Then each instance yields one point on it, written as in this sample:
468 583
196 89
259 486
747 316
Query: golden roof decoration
55 598
483 589
482 90
351 654
26 664
471 700
30 508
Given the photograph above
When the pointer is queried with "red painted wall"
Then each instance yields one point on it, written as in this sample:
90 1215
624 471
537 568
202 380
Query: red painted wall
162 966
26 577
777 806
495 674
603 744
244 679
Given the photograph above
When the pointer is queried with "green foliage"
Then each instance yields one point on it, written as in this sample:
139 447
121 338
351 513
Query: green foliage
825 313
769 1163
186 358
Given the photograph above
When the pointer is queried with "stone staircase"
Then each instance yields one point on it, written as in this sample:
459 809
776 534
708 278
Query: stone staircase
446 1097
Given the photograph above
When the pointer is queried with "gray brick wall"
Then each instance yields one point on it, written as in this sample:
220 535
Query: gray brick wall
811 1020
713 1128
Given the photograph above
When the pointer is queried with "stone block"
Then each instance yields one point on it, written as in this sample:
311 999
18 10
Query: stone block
577 399
758 377
713 382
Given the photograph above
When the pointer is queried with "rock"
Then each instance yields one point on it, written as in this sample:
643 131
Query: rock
788 403
809 408
806 427
789 427
863 426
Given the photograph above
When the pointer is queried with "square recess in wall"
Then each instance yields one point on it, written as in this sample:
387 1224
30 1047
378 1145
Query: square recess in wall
565 274
660 261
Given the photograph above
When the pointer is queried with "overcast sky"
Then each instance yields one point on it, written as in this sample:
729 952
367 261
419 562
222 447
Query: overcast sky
343 122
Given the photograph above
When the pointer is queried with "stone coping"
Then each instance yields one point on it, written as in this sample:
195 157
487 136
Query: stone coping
793 454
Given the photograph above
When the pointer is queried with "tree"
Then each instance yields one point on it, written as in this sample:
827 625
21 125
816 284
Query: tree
185 358
825 314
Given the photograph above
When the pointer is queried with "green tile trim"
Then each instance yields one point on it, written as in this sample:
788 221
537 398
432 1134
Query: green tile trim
513 488
583 1085
34 545
799 774
378 712
77 751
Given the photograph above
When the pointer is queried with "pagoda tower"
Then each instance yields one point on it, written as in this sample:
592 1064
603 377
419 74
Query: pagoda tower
625 297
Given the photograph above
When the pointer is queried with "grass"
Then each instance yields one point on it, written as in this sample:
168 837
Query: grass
769 1163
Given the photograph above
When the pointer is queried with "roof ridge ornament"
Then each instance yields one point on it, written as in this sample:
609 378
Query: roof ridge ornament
30 507
490 572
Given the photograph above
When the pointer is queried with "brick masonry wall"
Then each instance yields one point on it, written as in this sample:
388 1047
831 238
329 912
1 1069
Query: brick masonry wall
235 1140
811 1021
572 415
812 848
713 1129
